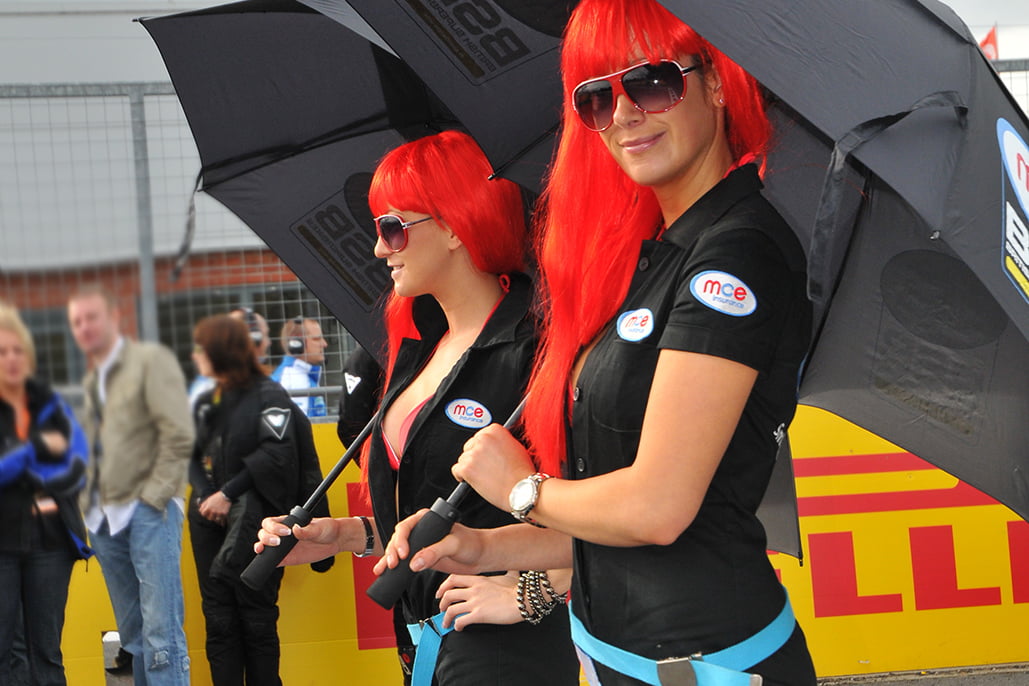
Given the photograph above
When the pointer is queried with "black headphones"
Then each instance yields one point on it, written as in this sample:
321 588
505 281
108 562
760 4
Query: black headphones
250 317
295 344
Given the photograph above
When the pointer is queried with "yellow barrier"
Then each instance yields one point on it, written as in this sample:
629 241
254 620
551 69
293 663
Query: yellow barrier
906 568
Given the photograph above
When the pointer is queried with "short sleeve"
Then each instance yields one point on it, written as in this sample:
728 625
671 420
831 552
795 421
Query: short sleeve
732 300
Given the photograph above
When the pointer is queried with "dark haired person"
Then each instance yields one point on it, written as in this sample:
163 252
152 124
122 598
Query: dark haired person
245 466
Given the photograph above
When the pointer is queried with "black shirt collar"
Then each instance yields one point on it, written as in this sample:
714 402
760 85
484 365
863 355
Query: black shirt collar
723 196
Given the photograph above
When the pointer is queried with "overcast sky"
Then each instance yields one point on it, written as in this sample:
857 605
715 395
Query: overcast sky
979 13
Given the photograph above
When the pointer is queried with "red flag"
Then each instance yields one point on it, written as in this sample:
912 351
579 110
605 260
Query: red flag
989 44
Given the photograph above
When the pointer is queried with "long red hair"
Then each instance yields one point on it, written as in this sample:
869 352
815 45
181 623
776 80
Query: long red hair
446 175
593 216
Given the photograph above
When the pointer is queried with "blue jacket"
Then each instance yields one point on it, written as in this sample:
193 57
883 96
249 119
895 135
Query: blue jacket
29 470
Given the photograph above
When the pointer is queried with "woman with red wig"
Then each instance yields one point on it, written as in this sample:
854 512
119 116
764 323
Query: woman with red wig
675 325
461 341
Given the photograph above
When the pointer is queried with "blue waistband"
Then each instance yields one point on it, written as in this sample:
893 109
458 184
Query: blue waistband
721 668
427 636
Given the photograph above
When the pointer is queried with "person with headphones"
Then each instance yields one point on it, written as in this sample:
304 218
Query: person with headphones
259 336
301 367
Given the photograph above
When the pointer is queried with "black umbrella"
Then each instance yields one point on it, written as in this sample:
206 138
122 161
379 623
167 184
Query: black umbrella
897 164
291 112
901 163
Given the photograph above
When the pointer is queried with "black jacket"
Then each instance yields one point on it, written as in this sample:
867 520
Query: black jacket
255 445
24 530
492 375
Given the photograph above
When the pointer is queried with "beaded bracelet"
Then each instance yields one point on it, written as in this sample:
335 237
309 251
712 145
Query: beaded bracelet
555 597
536 583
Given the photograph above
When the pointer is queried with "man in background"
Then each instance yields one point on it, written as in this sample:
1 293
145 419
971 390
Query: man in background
138 421
301 368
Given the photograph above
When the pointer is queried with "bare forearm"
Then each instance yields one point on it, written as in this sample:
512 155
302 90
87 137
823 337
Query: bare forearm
522 546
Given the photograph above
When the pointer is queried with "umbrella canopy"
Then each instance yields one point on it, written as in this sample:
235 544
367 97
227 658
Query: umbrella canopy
291 112
901 163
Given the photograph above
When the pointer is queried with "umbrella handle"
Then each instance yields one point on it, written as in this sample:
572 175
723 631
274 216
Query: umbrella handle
265 562
261 567
437 523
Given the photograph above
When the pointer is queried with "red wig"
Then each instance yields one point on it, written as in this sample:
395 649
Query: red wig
593 215
446 175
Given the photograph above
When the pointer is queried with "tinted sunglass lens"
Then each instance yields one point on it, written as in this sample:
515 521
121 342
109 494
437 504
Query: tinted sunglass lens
391 229
654 87
595 105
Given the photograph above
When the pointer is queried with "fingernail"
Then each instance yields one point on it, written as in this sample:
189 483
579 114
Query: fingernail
274 540
417 564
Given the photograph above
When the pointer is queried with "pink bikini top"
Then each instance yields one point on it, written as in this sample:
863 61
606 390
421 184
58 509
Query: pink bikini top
405 429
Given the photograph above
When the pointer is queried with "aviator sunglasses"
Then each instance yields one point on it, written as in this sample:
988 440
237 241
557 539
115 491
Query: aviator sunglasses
651 87
393 230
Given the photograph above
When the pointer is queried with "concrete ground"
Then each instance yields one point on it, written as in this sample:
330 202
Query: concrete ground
994 675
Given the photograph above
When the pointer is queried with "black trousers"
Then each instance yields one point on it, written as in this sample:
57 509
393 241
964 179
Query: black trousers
510 655
242 635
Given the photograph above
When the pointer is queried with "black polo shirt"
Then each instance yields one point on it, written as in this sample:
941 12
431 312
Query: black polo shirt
726 279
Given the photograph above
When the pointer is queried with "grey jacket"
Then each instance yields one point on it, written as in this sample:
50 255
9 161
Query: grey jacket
145 429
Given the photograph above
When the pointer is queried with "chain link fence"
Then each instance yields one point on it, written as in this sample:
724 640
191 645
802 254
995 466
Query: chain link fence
95 182
95 185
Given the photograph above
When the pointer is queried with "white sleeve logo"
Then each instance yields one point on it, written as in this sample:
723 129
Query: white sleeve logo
723 292
277 420
351 382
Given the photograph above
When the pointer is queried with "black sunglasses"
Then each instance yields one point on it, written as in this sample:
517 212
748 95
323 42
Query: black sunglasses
393 230
652 88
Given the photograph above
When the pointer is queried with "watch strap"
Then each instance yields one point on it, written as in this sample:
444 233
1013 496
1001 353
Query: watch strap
523 515
369 538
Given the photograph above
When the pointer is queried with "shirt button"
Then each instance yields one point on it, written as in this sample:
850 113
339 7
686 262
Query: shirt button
644 264
580 464
576 392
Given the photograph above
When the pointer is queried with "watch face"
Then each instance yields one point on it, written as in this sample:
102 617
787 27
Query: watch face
522 495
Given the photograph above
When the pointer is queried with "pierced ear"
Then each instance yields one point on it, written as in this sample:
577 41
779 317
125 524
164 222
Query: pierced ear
713 82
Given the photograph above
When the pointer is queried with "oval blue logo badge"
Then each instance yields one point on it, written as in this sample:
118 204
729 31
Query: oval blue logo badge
723 292
468 413
635 325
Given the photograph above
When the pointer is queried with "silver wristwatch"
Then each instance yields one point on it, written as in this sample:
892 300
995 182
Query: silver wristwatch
524 495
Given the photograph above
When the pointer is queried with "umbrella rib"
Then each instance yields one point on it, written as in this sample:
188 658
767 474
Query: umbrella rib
549 133
278 153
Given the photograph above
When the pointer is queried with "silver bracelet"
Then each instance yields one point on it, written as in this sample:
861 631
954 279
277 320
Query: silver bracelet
369 538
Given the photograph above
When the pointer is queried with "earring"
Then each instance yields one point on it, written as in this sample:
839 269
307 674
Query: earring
721 101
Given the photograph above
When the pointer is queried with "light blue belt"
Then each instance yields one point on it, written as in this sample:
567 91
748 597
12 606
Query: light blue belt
427 636
722 668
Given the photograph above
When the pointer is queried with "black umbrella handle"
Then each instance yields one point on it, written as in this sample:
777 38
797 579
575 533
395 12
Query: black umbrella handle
260 568
432 528
437 523
265 562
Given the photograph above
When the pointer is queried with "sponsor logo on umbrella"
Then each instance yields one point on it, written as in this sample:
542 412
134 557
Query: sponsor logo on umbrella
1015 157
